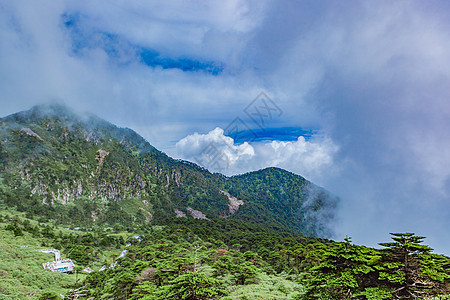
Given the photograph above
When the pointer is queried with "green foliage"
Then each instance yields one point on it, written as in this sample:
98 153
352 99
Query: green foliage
410 268
343 270
273 287
283 200
162 266
245 272
49 296
199 259
109 183
377 293
21 272
84 171
196 286
338 272
147 290
15 229
79 254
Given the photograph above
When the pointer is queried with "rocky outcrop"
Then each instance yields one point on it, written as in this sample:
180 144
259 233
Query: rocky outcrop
179 213
149 215
233 203
28 131
177 177
196 214
101 154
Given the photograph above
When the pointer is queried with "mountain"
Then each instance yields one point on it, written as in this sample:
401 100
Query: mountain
83 170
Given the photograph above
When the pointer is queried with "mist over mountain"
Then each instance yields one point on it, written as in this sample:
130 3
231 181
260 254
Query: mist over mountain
83 170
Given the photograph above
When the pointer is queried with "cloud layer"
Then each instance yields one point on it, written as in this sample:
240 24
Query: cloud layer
372 76
219 153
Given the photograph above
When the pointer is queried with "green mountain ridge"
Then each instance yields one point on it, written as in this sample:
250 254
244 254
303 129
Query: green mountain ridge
83 170
201 235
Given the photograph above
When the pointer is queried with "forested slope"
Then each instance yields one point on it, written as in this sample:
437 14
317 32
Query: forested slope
83 170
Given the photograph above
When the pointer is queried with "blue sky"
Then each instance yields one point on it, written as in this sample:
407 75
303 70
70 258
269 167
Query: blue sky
357 91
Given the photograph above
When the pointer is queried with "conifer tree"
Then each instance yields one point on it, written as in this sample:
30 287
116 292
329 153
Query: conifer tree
405 251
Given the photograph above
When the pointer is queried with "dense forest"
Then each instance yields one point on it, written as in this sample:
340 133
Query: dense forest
218 259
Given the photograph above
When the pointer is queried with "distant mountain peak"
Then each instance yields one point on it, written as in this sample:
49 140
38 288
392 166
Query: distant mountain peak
49 115
53 109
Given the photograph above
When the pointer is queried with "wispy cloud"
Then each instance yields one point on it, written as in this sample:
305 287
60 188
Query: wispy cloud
122 51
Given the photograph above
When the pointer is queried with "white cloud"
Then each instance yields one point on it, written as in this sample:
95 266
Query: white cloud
219 153
213 150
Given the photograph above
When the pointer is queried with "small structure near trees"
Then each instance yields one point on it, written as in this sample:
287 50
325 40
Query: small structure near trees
58 265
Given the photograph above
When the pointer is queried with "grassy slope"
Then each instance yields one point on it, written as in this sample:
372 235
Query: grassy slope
21 272
22 275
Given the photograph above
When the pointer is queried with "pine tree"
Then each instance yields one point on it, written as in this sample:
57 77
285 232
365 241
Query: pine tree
195 286
405 252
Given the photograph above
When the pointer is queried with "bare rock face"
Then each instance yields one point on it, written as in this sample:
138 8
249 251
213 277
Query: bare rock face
101 154
94 215
196 214
233 203
28 131
149 216
179 213
177 177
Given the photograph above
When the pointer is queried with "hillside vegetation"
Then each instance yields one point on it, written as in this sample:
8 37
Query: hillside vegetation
86 171
86 187
216 259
